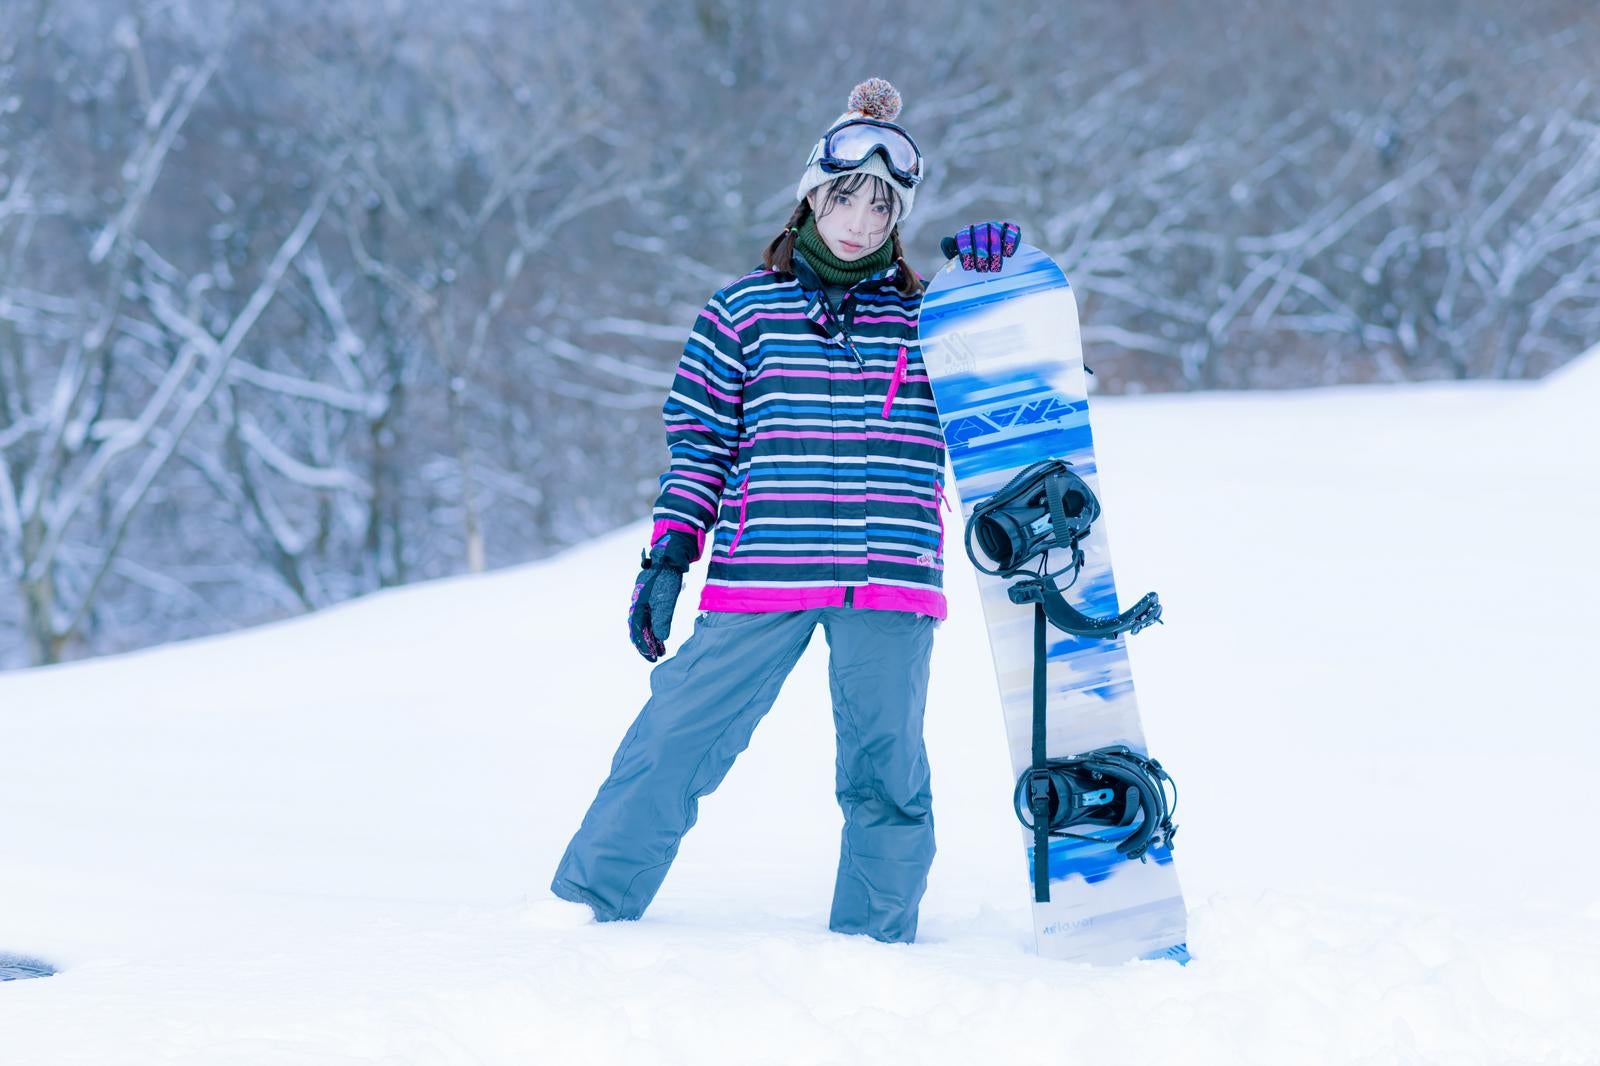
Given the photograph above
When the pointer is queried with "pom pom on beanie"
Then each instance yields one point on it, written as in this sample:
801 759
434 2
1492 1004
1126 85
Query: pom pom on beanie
875 98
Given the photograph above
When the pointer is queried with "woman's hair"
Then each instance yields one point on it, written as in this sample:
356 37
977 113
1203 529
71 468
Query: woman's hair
780 253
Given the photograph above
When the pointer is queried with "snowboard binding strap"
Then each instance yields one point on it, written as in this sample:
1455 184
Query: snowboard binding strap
1068 618
1048 506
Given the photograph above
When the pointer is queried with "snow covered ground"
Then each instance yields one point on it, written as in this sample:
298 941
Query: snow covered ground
328 841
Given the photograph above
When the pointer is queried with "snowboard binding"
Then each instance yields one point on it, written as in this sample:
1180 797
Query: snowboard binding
1046 507
1112 787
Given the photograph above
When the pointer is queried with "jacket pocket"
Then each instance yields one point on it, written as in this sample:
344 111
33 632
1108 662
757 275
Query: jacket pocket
744 501
940 505
896 380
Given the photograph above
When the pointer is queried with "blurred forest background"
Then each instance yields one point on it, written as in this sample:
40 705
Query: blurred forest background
300 300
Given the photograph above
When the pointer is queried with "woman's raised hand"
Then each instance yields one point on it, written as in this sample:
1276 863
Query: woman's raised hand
983 246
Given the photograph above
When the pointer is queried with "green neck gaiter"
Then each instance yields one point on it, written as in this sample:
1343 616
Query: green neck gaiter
830 268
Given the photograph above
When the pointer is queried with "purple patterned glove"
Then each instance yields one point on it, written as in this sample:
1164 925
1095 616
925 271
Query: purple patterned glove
983 247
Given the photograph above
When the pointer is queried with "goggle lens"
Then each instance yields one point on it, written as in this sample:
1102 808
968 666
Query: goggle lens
851 146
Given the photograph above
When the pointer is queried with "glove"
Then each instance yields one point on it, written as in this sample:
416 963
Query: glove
983 247
655 593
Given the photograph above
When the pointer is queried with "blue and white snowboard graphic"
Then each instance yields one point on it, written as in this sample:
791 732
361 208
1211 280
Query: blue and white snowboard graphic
1004 355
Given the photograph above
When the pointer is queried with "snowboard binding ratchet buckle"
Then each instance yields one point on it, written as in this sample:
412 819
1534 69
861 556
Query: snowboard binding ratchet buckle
1048 506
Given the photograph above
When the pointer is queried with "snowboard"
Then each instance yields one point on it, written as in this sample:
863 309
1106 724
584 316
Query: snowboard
1005 360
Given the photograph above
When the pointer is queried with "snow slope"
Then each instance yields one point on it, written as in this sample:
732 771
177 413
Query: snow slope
328 841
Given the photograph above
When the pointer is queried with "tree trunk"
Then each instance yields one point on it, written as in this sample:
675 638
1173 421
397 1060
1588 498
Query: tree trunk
37 586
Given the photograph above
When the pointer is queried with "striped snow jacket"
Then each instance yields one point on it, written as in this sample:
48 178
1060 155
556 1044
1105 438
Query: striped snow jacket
808 448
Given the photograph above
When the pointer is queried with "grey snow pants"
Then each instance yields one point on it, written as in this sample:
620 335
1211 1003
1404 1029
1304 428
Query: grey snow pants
704 705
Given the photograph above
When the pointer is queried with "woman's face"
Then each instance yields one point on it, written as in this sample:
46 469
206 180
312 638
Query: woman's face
852 224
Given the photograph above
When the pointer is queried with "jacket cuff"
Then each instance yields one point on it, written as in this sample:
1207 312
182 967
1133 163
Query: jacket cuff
664 527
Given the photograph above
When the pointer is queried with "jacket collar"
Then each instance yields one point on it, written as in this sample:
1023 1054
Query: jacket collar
817 309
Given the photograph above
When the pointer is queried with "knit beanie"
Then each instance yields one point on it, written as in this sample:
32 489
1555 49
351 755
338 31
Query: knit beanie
877 99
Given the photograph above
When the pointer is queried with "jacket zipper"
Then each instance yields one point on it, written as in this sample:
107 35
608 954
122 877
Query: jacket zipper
849 595
744 500
894 382
838 318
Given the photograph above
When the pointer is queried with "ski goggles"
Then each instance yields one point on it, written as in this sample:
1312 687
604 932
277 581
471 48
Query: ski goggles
850 144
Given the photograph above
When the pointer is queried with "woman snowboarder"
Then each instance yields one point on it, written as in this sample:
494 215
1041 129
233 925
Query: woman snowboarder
805 442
